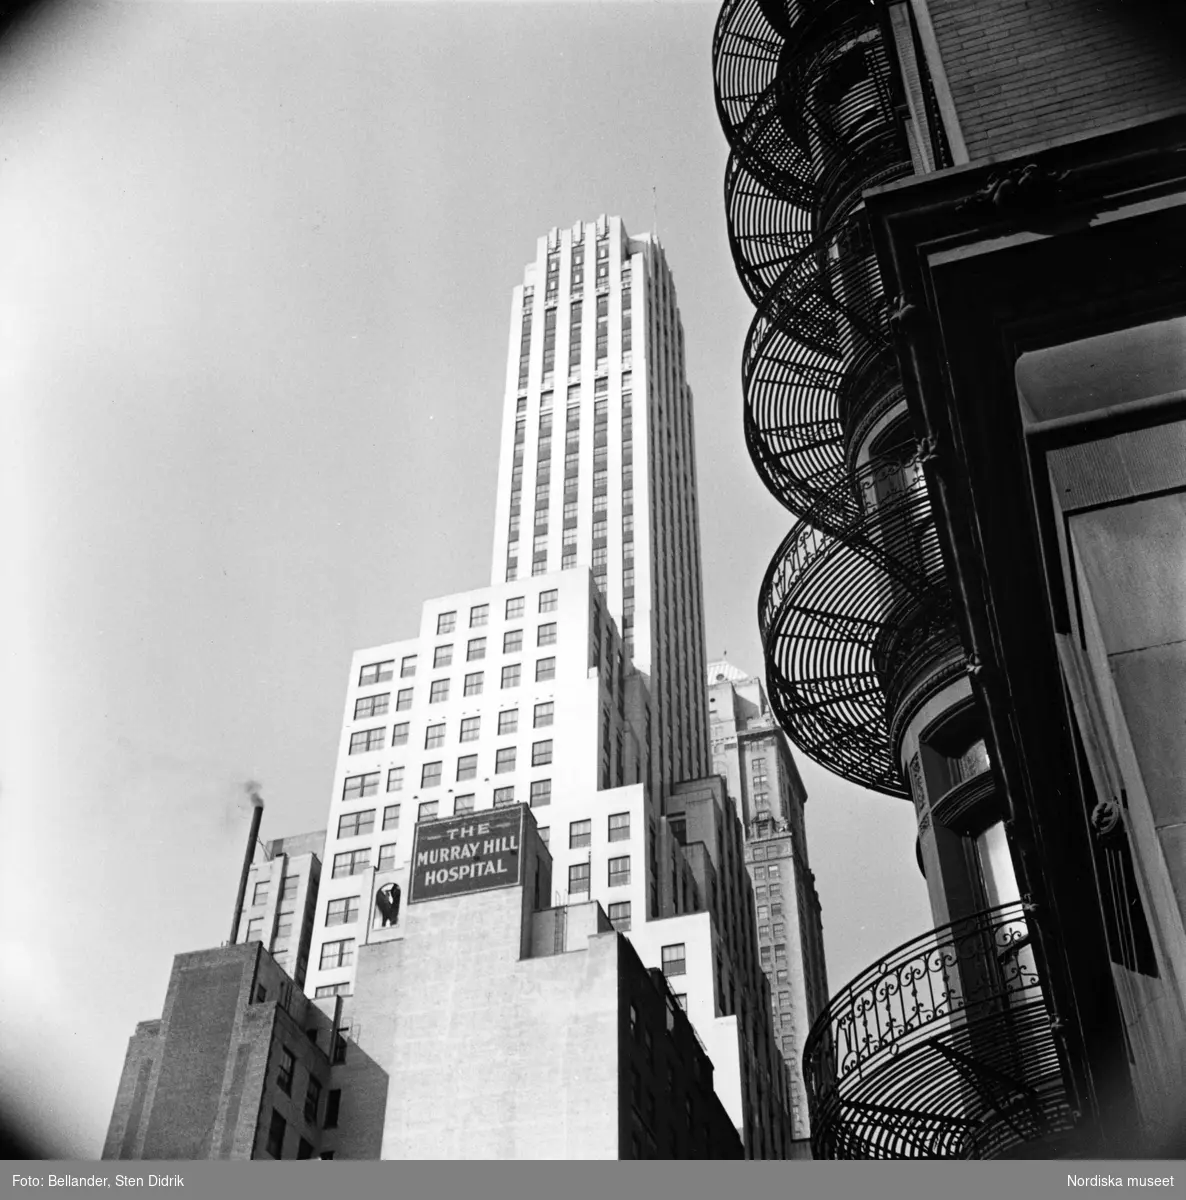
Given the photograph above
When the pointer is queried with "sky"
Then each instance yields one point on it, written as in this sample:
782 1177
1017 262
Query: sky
256 263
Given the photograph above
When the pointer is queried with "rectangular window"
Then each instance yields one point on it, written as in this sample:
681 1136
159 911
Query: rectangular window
504 796
619 871
387 857
276 1132
510 676
546 635
312 1104
376 673
407 666
446 622
333 1105
473 684
619 827
434 736
549 599
619 915
476 649
544 714
512 641
399 734
395 779
470 728
403 700
515 607
467 767
366 740
442 656
357 824
342 912
508 721
545 835
255 930
674 962
541 793
578 878
351 862
430 775
438 691
545 669
331 989
463 804
479 615
357 786
288 889
580 833
541 753
337 954
428 810
504 760
260 894
391 817
372 706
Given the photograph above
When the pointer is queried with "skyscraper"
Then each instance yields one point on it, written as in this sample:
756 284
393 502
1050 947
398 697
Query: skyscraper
598 436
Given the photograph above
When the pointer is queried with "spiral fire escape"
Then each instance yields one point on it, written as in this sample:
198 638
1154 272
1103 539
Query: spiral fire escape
855 614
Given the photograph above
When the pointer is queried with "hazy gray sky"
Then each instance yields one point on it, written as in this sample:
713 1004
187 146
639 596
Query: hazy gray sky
255 275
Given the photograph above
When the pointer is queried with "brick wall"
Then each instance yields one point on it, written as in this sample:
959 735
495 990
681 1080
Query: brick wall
1022 72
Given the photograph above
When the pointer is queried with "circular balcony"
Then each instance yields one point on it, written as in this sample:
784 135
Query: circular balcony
828 607
941 1049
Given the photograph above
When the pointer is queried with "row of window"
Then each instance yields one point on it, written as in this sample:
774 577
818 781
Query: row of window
288 890
364 740
579 874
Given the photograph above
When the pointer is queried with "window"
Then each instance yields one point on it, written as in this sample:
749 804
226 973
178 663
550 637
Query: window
476 649
407 666
510 676
544 714
541 793
545 835
333 1105
387 857
391 816
619 915
541 753
504 760
550 599
674 962
337 954
366 740
395 779
546 635
504 796
580 833
473 684
428 810
434 736
260 894
376 673
508 720
782 976
430 774
356 824
463 804
512 641
578 877
255 930
479 615
763 912
342 912
403 700
619 827
312 1104
351 862
442 656
446 622
681 998
619 871
288 889
339 1051
467 767
357 786
331 989
399 734
372 706
276 1132
545 669
515 608
470 728
439 691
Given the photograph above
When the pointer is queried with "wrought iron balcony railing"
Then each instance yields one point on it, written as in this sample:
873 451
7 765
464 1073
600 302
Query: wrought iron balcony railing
941 1049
